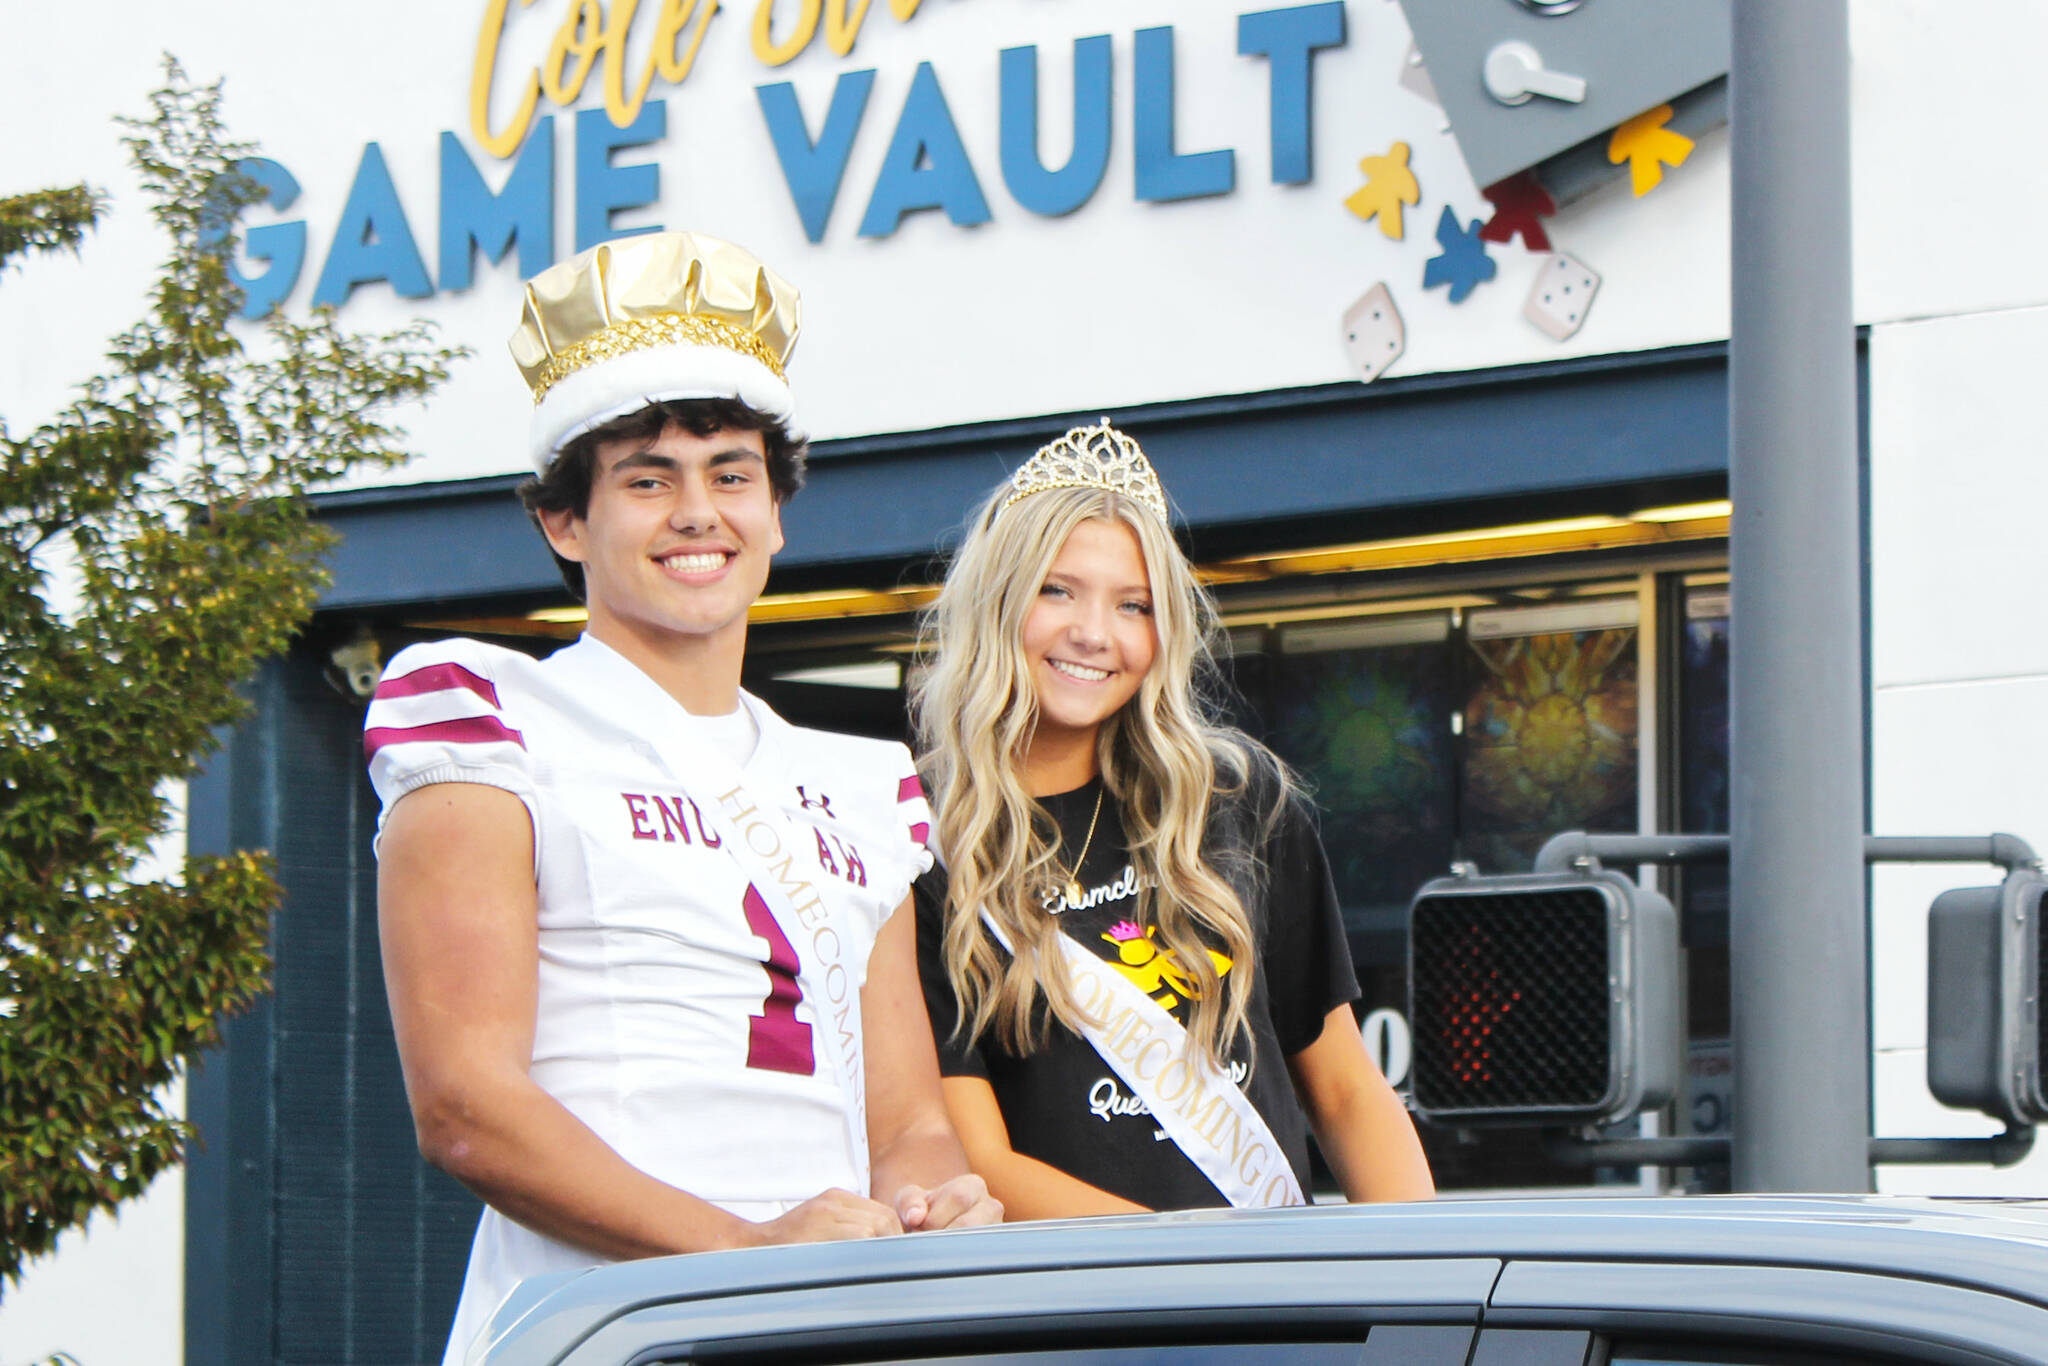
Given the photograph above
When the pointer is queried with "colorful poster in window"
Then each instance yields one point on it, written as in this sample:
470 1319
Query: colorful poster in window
1550 741
1370 729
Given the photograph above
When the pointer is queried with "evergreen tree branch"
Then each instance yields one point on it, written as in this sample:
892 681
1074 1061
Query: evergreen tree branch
175 486
47 220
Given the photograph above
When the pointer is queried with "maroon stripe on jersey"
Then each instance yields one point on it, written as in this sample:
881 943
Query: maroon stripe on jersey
438 678
465 730
920 833
909 789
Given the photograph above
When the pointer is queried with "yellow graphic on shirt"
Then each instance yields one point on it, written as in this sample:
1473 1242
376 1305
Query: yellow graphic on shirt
1154 970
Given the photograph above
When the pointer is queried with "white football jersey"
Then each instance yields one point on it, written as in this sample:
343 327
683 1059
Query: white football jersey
675 1015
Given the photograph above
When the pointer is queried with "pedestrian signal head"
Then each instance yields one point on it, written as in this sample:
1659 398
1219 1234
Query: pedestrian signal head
1542 999
1985 1027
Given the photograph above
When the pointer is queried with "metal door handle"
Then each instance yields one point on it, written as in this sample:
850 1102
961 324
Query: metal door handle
1514 71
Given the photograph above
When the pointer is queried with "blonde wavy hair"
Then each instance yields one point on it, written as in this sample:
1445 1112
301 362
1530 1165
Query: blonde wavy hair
1162 757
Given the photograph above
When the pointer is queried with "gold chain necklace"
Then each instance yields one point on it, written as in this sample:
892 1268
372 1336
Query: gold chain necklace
1074 878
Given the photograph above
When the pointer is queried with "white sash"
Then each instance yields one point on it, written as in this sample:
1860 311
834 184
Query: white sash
752 830
1205 1113
761 842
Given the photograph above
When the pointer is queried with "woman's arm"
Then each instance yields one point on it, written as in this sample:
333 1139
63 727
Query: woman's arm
457 917
916 1162
1028 1188
1360 1124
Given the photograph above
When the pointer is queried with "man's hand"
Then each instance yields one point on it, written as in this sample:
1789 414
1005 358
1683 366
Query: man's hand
831 1215
963 1202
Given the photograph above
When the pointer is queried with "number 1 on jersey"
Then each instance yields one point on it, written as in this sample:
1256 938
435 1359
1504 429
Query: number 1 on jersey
777 1041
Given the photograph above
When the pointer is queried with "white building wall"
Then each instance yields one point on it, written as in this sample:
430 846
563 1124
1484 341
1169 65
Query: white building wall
1959 660
1946 191
1956 292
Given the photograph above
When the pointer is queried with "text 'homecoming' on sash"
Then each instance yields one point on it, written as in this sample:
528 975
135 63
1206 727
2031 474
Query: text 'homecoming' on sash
767 854
795 898
1206 1115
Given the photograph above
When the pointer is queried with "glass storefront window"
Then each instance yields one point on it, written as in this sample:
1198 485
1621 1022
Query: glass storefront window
1452 735
1362 709
1702 891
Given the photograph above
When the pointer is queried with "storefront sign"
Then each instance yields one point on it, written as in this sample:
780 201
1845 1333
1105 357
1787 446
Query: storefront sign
928 166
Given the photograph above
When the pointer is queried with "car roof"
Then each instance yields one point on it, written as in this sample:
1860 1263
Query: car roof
1996 1245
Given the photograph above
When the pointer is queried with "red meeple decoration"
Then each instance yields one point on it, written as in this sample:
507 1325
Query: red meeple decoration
1520 204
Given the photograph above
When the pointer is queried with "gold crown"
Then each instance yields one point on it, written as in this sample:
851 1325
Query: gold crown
1098 457
658 289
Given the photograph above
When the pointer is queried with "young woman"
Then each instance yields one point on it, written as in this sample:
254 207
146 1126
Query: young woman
1133 958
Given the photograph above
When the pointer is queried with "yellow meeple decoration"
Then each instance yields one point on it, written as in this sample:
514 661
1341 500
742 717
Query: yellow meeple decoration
1388 185
1648 147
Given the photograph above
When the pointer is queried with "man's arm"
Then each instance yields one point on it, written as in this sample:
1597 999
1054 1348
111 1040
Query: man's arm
916 1162
457 917
1360 1124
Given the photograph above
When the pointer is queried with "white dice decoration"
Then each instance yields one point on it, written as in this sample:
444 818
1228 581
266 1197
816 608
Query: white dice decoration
1374 333
1562 295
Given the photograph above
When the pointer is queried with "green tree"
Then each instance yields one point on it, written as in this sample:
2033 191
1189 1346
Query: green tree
155 546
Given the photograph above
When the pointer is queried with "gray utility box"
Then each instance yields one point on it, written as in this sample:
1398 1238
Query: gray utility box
1631 55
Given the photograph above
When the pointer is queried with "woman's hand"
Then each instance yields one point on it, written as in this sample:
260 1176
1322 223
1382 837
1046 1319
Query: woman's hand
963 1202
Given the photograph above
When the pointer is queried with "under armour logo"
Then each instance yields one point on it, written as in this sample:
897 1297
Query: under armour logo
821 801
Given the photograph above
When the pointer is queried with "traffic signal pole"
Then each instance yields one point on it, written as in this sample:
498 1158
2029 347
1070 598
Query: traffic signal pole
1798 936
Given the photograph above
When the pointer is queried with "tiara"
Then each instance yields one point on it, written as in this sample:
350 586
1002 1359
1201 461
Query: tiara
1097 457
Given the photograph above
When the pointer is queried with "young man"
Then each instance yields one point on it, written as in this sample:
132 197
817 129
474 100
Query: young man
647 945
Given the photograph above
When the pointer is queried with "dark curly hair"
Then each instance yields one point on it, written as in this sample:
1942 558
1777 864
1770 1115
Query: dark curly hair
565 487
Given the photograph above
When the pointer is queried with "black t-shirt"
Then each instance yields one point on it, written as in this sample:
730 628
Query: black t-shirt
1063 1104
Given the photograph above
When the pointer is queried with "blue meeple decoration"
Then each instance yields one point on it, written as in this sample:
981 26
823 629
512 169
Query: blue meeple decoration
1464 264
